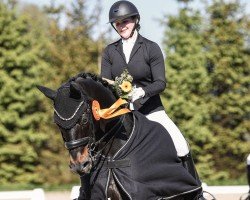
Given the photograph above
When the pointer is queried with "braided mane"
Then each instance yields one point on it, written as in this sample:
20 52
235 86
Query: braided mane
97 79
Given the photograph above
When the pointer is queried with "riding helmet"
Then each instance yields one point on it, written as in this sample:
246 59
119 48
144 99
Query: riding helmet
121 10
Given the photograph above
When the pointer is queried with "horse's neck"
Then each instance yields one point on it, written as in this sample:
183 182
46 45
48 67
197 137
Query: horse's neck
120 136
97 91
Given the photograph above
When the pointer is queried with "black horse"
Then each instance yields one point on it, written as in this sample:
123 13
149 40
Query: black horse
122 157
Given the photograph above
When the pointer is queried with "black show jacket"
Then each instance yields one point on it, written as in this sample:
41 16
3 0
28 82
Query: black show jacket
146 65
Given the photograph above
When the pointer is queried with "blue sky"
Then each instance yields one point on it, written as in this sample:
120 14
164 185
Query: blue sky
150 11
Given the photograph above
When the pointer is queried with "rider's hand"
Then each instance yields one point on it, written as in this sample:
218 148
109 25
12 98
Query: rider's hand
137 93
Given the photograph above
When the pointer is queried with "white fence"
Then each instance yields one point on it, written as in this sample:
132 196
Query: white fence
242 189
36 194
226 189
74 192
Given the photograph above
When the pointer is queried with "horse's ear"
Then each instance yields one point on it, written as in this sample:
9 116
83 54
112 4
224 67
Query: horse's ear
75 91
47 92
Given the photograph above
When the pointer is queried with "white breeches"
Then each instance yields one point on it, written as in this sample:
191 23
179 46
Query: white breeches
180 143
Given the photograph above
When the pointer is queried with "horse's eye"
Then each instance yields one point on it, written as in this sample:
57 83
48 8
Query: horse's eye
84 119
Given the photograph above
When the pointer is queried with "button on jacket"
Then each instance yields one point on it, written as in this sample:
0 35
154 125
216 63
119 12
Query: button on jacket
146 65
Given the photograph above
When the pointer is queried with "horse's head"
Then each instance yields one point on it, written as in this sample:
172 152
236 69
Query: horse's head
74 117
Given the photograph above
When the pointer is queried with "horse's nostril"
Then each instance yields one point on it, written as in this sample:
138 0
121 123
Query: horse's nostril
86 164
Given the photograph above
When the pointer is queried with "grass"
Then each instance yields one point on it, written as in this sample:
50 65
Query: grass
15 187
239 181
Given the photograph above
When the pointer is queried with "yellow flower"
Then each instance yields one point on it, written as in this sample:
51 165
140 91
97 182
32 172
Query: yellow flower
126 86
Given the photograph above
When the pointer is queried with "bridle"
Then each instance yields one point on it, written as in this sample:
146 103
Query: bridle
115 129
86 116
90 141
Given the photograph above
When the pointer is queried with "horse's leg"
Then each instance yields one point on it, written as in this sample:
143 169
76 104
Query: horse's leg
84 191
113 192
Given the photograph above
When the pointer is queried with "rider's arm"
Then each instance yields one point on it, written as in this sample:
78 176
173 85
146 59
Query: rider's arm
106 65
157 66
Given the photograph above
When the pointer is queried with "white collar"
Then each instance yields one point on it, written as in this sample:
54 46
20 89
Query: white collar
132 39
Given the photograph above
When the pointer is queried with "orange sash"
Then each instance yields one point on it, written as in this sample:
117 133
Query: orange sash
110 112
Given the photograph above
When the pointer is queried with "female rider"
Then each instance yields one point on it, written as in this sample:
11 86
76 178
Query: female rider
144 61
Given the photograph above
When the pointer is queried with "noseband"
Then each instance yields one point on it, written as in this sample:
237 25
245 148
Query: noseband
77 143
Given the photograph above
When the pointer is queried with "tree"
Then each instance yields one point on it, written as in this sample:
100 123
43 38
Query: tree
229 67
185 96
73 49
22 65
36 50
56 171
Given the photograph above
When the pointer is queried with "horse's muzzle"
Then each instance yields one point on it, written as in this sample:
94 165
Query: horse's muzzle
81 168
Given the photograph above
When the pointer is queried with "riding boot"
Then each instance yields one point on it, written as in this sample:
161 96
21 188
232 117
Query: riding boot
84 191
188 163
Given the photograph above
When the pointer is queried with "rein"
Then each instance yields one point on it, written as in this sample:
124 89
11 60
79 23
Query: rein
107 133
118 125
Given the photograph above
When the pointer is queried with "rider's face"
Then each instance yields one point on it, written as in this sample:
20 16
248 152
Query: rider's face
125 27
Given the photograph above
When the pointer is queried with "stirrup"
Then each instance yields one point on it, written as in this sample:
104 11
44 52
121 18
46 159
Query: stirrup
201 196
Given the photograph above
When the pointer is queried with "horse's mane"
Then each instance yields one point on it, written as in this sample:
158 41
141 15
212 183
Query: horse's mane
97 79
